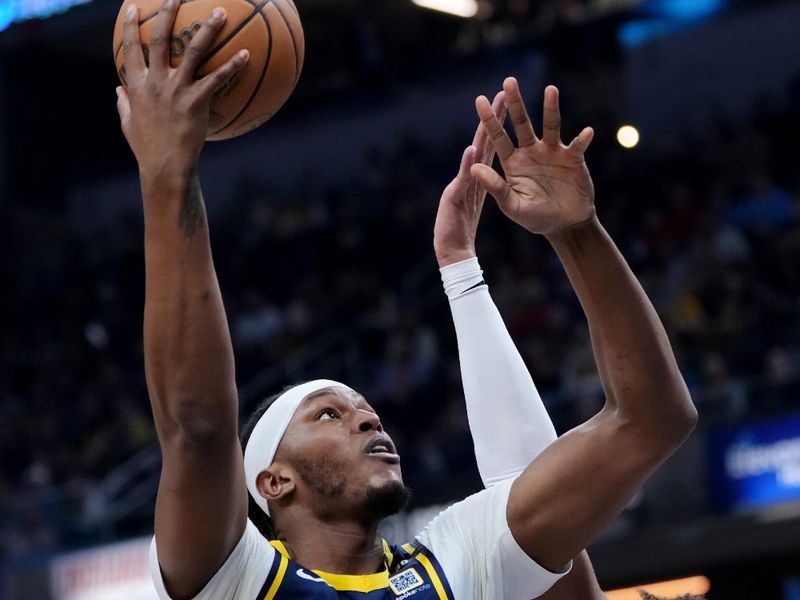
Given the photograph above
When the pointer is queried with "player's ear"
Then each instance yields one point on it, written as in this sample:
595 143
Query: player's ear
275 483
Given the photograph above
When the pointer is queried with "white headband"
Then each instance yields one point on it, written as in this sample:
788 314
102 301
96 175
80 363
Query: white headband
268 432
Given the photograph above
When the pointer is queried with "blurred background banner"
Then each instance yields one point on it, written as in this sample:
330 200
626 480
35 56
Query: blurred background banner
755 465
114 572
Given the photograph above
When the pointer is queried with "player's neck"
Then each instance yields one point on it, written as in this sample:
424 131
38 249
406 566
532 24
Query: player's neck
344 547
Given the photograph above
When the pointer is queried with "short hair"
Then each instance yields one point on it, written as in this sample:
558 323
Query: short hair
257 516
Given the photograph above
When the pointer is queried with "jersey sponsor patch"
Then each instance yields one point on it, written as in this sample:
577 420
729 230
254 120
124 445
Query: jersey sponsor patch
405 581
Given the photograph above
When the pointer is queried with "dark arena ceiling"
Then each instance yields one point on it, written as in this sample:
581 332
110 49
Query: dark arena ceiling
350 40
352 43
57 75
347 41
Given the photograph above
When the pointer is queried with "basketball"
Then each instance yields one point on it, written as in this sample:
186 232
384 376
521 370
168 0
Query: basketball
270 29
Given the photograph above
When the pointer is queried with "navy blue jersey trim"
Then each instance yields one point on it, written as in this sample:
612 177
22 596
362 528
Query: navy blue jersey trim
420 548
273 570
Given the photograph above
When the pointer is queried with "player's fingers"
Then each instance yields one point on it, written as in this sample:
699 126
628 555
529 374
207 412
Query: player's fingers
551 122
198 48
123 104
132 45
580 144
492 182
161 36
519 114
219 77
124 110
498 137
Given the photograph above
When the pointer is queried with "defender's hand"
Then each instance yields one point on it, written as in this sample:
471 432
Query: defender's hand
165 111
547 186
462 201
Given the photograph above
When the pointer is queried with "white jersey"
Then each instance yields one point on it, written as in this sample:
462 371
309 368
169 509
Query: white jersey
466 553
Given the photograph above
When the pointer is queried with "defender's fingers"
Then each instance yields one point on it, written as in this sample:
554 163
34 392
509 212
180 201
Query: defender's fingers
519 114
161 36
135 67
497 135
467 160
219 77
457 190
480 141
580 144
492 182
500 108
551 123
200 44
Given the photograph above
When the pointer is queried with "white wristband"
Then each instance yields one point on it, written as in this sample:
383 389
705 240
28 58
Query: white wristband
461 277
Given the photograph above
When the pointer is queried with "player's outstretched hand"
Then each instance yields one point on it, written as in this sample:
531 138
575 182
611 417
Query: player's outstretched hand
547 187
164 110
462 200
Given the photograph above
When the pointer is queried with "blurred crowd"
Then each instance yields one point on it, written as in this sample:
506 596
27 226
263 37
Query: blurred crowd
344 284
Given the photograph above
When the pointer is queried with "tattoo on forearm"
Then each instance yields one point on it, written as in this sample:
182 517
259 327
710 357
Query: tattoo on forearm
192 212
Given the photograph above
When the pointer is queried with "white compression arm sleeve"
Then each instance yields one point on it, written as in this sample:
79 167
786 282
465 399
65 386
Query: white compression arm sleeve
509 423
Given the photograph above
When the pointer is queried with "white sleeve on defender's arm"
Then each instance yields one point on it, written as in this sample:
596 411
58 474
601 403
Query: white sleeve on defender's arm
480 558
242 575
509 423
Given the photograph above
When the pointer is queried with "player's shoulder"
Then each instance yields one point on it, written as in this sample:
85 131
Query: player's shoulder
477 515
454 543
473 543
240 577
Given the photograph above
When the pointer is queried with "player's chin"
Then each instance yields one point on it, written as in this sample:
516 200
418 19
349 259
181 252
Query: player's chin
381 469
382 473
388 471
386 498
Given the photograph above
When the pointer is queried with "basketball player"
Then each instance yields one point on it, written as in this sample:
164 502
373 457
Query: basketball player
318 461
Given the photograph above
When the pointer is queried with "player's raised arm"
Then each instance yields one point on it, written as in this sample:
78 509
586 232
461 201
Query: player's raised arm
568 494
201 509
509 423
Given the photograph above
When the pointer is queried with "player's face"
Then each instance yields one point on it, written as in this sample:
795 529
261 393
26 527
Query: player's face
338 447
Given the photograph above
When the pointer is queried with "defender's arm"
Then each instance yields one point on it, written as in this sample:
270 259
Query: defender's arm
582 481
508 421
576 487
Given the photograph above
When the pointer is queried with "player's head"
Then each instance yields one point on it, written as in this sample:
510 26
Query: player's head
322 447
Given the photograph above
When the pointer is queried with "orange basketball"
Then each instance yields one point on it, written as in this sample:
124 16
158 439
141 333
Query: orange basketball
269 29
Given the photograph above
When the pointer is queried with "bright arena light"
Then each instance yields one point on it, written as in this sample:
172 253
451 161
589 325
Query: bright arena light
628 136
697 585
459 8
12 11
